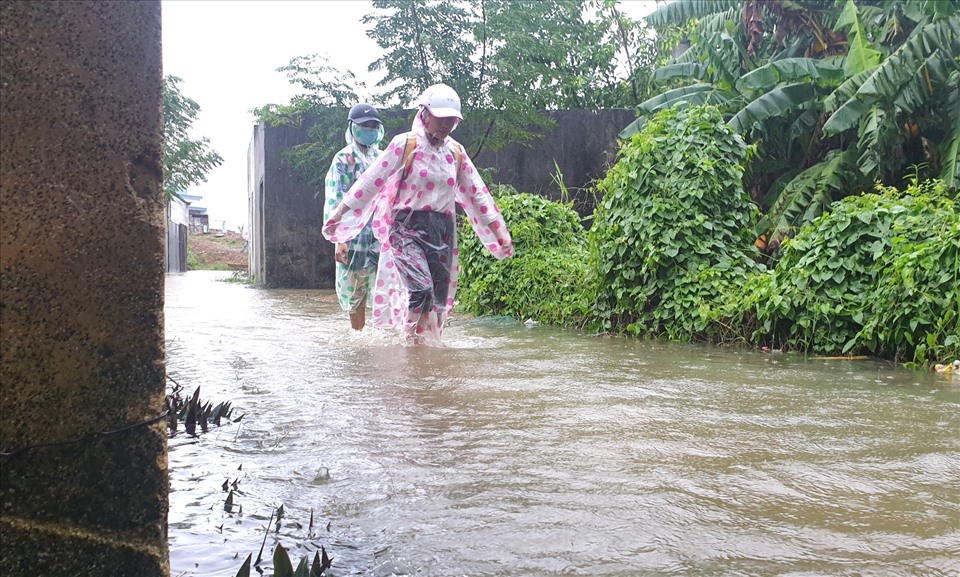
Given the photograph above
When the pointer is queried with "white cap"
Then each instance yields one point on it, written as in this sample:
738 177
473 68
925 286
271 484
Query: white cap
442 101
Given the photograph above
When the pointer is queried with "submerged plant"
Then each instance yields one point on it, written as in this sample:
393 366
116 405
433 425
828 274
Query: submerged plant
282 565
192 411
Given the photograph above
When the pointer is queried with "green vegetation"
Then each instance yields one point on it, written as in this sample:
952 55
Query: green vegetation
841 102
837 94
509 61
186 161
673 233
282 564
193 263
215 252
785 126
671 255
238 277
878 274
327 96
544 279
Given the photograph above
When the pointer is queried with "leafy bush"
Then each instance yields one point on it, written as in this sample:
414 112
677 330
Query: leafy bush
672 236
544 280
878 274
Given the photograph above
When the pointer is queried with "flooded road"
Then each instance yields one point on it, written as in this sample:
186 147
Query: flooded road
518 451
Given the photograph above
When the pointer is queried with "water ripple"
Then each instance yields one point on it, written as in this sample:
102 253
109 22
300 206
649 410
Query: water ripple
517 451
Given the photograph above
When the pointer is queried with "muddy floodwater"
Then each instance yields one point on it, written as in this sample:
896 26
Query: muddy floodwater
532 451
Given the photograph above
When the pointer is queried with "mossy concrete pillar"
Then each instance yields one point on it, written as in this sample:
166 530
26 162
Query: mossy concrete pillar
84 463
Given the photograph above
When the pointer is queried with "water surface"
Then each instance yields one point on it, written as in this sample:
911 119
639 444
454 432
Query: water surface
533 451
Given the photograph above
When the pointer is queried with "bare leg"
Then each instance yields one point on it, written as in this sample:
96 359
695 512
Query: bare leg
359 318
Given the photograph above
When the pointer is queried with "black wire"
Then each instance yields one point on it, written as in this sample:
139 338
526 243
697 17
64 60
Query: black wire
90 436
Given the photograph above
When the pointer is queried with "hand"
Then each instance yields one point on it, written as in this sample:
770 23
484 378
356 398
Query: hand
340 253
505 242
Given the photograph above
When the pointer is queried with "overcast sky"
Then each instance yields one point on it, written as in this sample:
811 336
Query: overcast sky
227 53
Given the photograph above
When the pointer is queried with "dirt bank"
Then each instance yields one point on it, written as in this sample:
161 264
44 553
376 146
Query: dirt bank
216 250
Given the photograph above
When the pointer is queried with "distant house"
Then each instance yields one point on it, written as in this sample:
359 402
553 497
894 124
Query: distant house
199 219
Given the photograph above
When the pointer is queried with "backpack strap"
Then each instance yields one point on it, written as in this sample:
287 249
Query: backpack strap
408 155
458 157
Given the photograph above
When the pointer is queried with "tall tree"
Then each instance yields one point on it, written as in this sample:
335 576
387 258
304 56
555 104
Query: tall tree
424 42
508 59
326 95
186 161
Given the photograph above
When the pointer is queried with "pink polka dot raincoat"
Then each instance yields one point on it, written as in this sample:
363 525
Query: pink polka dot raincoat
414 218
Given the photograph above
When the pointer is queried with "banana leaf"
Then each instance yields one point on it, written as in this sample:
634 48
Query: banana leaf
777 102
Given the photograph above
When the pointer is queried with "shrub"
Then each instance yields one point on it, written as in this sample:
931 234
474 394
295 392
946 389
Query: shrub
672 235
544 280
877 274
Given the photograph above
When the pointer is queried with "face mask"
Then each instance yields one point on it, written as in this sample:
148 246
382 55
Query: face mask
367 136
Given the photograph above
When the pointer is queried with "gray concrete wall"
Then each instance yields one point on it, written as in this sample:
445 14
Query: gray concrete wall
83 470
287 216
294 253
583 143
255 192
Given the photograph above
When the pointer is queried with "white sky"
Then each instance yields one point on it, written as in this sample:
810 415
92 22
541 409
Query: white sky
227 53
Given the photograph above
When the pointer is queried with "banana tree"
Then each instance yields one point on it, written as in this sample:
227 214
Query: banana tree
837 94
909 95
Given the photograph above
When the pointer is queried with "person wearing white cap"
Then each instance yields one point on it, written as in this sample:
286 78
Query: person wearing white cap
409 195
356 259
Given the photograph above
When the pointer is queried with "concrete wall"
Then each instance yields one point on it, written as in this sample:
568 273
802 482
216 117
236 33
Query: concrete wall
81 301
287 247
584 145
178 220
285 217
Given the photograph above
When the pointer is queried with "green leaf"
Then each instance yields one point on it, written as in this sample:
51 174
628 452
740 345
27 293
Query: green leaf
903 64
827 71
808 194
861 55
680 11
870 142
245 568
693 94
950 155
186 161
846 91
845 117
804 124
777 102
282 567
687 70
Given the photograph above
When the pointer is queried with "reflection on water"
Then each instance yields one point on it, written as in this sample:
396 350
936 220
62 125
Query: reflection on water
517 451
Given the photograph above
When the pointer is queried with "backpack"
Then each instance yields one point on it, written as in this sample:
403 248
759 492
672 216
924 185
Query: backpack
408 155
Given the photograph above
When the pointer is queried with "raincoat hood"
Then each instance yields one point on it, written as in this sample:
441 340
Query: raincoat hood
421 129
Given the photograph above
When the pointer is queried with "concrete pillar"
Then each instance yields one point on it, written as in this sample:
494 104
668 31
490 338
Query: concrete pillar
83 474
